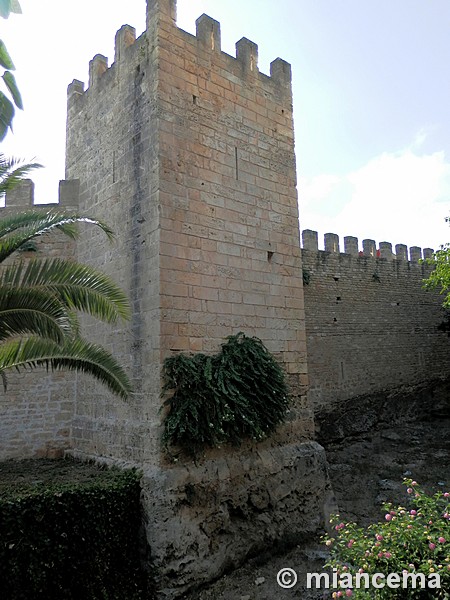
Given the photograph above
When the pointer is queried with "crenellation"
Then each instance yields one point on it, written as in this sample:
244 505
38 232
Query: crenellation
247 55
331 241
97 66
208 37
386 250
401 252
22 196
369 248
69 193
351 245
415 254
281 72
161 10
208 32
75 89
125 37
310 240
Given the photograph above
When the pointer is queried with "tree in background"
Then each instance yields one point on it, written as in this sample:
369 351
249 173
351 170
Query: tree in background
440 276
7 105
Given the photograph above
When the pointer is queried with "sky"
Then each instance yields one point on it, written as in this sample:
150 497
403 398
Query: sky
371 86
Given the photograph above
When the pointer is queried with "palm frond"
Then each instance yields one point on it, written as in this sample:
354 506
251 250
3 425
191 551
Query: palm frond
25 311
75 355
16 230
13 171
80 287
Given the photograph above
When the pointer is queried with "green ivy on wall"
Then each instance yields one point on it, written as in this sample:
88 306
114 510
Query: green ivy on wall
239 393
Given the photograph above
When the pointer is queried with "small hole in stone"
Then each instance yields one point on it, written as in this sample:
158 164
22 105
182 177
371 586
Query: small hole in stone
335 320
269 255
338 297
194 99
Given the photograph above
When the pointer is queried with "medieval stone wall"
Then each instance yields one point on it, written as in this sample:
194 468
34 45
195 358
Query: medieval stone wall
370 325
188 153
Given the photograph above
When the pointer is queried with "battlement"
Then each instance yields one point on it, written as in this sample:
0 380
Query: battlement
22 196
162 13
369 247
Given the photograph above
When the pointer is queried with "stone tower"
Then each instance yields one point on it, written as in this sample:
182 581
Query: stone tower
188 154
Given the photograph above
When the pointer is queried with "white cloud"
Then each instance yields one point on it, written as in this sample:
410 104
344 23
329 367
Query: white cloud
400 198
318 188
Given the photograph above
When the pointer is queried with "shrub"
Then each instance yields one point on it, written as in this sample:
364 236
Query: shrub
413 539
238 393
73 540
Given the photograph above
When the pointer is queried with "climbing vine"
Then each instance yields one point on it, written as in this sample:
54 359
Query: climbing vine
239 393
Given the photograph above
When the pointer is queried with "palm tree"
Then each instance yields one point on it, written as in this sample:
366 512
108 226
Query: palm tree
40 298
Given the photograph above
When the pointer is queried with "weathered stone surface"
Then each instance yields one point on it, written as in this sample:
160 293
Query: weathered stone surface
201 525
188 153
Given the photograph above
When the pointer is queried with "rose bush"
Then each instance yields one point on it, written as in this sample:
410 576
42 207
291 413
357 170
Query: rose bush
412 539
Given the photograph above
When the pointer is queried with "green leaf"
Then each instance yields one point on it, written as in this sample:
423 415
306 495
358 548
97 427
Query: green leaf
11 84
39 300
32 224
75 355
5 59
77 286
24 310
12 172
6 115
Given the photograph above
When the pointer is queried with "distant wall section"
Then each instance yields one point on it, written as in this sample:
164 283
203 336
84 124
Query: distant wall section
370 325
36 411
